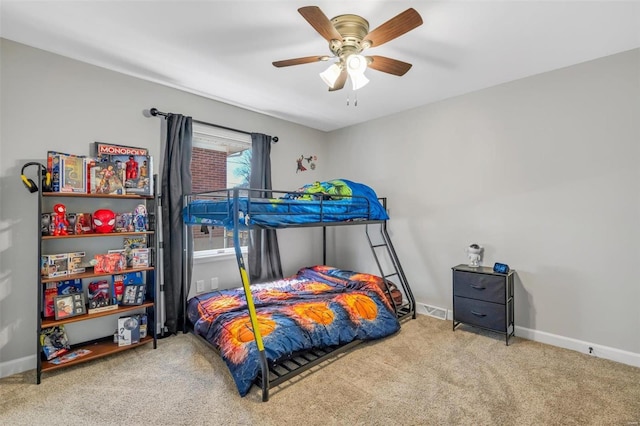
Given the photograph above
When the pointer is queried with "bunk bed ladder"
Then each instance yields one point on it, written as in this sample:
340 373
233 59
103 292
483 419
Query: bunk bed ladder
408 305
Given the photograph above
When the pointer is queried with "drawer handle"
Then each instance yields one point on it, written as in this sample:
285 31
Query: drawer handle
478 314
477 287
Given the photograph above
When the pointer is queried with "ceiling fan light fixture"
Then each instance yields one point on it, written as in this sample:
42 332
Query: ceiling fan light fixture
331 74
356 65
358 81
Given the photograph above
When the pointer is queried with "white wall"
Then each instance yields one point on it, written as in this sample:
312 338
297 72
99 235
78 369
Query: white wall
53 103
543 172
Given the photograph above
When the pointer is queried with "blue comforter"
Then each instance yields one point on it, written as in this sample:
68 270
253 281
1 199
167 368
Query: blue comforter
331 201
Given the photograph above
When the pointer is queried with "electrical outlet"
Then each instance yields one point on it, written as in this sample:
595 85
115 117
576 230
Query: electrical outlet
214 283
200 286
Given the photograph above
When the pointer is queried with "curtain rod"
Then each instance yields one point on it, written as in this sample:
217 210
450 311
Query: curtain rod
155 113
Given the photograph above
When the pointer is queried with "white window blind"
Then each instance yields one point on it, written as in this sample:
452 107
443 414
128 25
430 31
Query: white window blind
211 137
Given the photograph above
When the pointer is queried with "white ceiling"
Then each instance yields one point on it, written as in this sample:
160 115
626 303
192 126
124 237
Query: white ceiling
224 49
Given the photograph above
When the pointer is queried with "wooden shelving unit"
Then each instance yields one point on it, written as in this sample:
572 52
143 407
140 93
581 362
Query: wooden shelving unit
100 345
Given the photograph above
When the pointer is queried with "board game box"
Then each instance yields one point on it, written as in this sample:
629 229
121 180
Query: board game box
136 164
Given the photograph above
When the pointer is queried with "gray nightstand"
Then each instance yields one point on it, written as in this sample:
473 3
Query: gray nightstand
483 298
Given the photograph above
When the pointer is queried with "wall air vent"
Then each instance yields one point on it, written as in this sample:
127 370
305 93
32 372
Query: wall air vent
432 311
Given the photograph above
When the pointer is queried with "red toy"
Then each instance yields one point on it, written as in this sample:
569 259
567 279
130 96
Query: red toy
104 221
132 168
60 222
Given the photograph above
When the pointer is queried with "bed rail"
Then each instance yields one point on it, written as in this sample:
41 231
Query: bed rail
273 209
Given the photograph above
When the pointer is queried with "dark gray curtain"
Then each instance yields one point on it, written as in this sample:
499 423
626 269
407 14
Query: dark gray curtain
264 254
176 182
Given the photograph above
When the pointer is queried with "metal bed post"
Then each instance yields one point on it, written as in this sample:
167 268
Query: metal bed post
247 292
324 245
40 285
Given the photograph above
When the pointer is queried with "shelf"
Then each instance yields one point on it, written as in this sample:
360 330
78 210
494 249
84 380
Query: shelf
82 195
96 234
91 274
98 350
90 334
85 317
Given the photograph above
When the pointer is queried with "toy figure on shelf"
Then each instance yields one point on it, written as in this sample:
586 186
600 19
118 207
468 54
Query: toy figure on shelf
104 221
140 218
60 222
132 168
144 169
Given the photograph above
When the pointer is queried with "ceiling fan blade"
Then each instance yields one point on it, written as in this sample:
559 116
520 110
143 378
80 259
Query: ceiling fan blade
299 61
394 27
388 65
342 78
320 22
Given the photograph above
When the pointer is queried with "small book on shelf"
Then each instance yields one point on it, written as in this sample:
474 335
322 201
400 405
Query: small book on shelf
71 356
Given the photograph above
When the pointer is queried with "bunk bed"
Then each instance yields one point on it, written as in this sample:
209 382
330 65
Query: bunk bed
269 332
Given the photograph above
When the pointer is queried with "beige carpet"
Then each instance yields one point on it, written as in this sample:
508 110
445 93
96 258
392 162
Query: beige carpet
426 374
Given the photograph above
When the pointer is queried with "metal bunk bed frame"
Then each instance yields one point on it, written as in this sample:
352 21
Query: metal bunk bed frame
276 372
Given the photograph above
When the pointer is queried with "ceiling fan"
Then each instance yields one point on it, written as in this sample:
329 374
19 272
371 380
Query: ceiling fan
348 36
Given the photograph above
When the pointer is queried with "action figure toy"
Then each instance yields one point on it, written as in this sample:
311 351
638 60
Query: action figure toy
60 222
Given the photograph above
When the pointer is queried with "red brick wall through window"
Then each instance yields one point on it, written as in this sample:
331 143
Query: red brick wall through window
208 172
208 169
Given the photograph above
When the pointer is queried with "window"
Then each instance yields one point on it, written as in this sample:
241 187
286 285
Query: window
221 158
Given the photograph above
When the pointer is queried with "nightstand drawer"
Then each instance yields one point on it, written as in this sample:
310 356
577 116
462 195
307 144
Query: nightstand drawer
479 286
479 313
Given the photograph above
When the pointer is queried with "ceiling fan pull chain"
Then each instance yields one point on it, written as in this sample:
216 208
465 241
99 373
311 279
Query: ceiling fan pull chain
355 101
347 100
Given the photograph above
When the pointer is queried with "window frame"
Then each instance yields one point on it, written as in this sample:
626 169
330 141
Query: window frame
214 138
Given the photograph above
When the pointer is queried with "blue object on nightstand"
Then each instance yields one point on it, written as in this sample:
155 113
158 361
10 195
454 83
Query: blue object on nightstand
501 268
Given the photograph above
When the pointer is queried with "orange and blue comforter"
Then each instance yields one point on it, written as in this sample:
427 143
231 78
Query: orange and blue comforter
320 306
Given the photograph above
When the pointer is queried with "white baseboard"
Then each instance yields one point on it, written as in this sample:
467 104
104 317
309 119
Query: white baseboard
593 349
16 366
